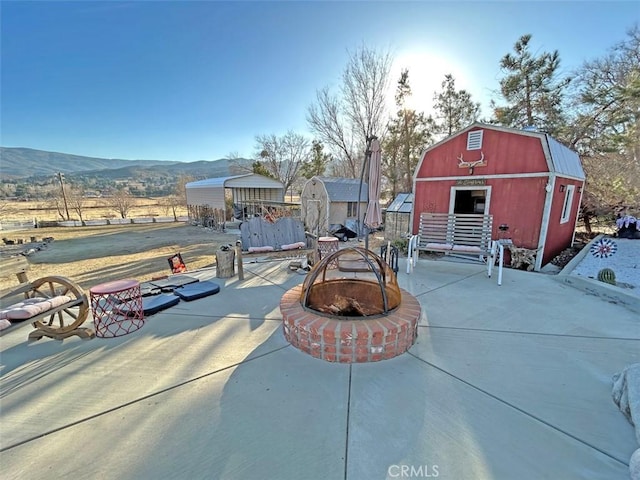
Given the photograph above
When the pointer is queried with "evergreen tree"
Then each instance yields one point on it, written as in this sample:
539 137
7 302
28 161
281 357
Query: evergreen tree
317 165
258 167
607 100
532 89
454 109
606 129
408 134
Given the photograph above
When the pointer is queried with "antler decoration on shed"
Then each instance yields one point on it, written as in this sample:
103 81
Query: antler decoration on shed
477 163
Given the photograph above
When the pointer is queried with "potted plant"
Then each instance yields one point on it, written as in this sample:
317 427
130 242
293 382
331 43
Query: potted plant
628 227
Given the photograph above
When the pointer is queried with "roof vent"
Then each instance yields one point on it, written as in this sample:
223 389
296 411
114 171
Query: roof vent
530 128
474 140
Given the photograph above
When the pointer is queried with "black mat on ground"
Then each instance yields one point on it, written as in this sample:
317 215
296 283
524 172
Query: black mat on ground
194 291
174 281
148 288
156 303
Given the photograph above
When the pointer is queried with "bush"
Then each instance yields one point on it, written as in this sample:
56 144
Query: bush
401 244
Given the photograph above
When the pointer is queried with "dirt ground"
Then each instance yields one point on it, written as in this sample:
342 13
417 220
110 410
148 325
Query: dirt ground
93 255
98 254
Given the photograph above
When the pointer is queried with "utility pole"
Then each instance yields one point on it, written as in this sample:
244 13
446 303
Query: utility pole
64 196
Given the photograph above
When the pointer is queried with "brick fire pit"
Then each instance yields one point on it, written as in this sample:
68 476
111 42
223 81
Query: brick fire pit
351 339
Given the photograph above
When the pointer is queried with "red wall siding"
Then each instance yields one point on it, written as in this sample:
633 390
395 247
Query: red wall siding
504 153
559 235
432 197
517 202
511 203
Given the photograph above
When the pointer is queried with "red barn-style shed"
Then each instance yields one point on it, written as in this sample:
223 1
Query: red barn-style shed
526 179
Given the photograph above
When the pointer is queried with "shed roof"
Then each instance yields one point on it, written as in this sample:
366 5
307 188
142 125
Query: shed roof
560 159
403 203
344 189
250 180
565 160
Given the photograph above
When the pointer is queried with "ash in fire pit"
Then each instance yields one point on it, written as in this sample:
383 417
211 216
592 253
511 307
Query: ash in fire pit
353 313
362 285
343 306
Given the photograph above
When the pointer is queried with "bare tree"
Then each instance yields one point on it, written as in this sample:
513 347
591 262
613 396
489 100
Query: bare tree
7 210
61 197
122 202
345 121
60 210
237 164
282 156
179 196
60 177
612 186
76 200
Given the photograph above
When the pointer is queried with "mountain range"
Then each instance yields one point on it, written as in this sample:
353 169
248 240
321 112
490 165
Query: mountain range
23 163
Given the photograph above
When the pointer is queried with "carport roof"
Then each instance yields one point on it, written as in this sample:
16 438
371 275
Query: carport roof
212 182
257 181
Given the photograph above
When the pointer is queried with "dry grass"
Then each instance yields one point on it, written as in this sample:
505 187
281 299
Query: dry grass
95 254
92 255
95 208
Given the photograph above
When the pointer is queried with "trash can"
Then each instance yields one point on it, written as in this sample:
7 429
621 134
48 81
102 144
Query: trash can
225 263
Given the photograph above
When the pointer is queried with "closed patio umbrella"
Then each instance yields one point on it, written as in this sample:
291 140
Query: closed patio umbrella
373 217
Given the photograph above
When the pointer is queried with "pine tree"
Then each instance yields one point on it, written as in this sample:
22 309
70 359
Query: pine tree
532 89
454 109
318 163
606 129
407 136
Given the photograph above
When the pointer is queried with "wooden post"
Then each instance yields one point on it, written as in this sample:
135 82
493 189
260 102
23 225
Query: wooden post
225 267
239 255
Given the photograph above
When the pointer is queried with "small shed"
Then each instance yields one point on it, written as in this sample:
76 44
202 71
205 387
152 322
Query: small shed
397 218
528 181
329 202
212 193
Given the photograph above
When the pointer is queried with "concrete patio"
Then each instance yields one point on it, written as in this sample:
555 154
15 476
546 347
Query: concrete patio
504 382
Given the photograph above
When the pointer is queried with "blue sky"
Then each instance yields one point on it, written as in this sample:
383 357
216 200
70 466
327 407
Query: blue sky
191 81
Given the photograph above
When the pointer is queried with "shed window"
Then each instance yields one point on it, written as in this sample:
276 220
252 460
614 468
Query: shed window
474 140
352 209
568 202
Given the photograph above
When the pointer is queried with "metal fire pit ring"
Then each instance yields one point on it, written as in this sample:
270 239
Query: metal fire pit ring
387 316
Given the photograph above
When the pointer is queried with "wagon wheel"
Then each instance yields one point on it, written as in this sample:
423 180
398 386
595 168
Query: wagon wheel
67 319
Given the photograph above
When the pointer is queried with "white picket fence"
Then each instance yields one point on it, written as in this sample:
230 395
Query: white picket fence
13 225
